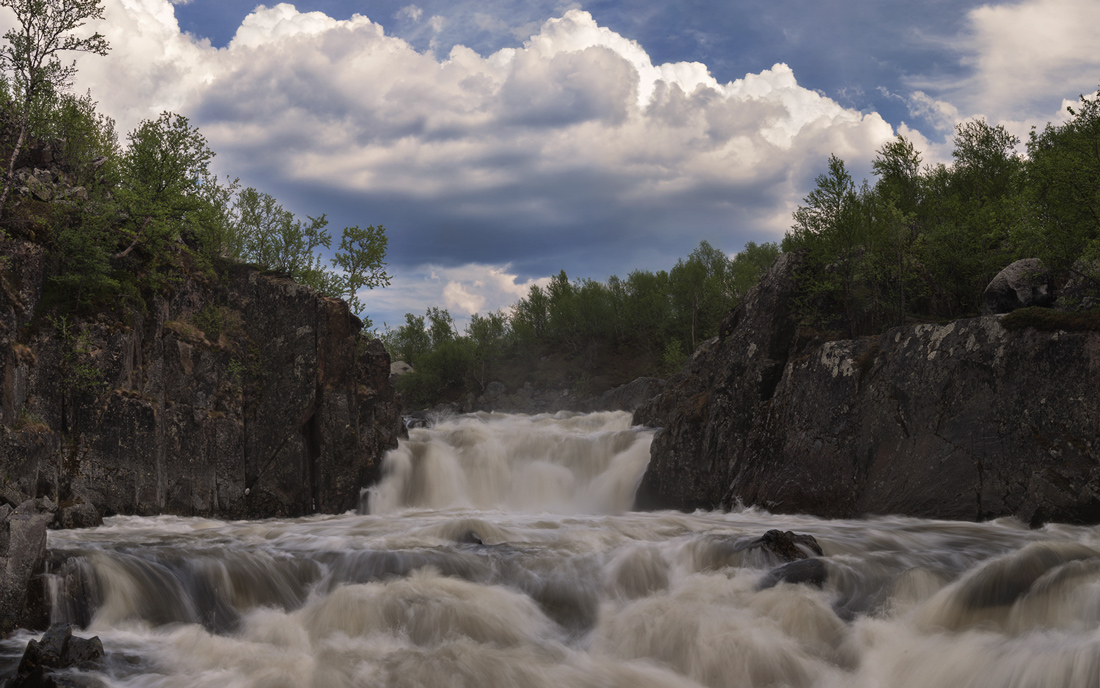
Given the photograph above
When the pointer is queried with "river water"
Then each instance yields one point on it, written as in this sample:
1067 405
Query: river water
500 551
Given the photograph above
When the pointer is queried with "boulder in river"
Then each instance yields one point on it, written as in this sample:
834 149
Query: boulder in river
58 650
787 546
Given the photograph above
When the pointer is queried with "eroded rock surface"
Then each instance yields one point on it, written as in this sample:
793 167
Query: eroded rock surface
963 421
22 563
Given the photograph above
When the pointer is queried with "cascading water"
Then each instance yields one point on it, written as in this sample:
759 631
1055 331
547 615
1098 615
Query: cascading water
499 551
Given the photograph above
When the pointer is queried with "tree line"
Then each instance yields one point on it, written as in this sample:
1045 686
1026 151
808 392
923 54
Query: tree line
922 242
655 318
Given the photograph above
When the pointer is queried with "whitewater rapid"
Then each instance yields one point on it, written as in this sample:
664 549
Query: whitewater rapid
500 551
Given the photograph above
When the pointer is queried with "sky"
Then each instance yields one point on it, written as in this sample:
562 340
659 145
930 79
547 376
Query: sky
501 141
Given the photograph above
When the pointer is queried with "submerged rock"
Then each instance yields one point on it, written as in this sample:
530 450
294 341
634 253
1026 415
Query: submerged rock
805 571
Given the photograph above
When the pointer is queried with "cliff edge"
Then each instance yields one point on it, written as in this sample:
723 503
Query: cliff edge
240 395
966 420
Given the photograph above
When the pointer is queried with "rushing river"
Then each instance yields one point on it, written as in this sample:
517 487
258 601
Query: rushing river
500 552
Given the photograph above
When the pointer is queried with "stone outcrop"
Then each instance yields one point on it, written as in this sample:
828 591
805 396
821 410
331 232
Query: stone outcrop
22 564
244 395
965 420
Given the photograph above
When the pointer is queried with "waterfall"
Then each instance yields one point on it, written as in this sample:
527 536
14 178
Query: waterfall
566 463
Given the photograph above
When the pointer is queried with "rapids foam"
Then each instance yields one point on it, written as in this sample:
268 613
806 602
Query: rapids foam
468 574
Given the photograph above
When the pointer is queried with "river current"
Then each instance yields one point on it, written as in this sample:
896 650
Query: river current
499 551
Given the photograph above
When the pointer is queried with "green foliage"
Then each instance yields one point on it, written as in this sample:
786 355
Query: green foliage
487 343
260 231
1062 187
83 249
31 55
161 182
920 242
673 357
575 327
78 373
215 320
271 237
86 137
408 342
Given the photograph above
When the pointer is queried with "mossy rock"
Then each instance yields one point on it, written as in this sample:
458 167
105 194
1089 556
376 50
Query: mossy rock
1050 320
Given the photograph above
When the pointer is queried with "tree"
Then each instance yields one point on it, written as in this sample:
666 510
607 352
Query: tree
162 176
897 166
749 265
828 226
361 258
486 335
31 55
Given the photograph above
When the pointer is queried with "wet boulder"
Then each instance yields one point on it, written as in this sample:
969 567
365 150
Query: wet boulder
1020 285
58 650
785 546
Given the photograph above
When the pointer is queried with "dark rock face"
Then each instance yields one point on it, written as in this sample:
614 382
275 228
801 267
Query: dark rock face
245 396
22 563
962 421
1020 285
532 400
707 410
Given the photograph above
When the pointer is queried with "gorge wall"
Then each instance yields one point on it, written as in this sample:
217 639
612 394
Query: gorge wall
243 395
966 420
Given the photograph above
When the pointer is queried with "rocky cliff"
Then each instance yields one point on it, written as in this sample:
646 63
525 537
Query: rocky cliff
241 395
966 420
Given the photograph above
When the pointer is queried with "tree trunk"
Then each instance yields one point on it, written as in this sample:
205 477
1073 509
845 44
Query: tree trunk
9 178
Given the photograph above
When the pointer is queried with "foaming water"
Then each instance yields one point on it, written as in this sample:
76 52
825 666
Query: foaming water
464 584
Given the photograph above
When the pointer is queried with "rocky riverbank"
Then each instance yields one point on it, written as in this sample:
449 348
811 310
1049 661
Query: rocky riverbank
965 420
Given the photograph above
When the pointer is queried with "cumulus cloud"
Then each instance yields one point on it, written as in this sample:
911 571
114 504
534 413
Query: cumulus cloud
1022 58
462 290
572 150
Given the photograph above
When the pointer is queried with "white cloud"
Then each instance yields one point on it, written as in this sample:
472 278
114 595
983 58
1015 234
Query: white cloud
1022 57
463 290
410 12
1034 50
